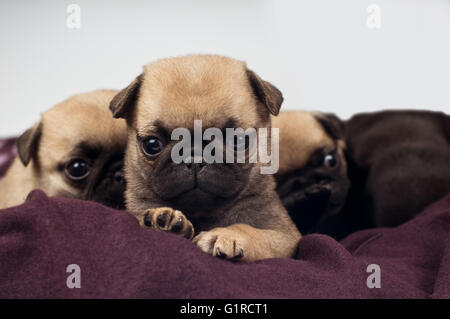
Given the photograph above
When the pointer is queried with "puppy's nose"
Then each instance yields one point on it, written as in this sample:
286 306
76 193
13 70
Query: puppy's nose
194 162
197 166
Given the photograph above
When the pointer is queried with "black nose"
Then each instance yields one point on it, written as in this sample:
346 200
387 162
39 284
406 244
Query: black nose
194 162
195 166
109 185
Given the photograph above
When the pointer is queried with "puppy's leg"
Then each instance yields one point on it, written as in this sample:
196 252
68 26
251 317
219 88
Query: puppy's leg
167 219
246 243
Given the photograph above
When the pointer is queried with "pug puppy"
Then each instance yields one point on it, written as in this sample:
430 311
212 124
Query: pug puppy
399 164
312 180
76 150
231 208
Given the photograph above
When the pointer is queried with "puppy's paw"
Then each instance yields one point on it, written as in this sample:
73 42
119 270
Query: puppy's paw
167 219
223 243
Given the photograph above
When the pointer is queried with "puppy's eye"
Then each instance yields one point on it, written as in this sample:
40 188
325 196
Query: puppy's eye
77 169
152 146
330 160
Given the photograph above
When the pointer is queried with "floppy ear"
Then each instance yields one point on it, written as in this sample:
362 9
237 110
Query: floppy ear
267 93
125 100
332 125
28 142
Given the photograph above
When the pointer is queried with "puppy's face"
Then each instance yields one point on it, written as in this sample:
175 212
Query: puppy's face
173 93
312 180
76 150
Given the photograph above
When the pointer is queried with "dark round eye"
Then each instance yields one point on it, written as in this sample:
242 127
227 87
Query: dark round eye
77 169
330 161
152 146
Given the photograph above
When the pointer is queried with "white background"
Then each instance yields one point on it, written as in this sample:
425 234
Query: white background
320 53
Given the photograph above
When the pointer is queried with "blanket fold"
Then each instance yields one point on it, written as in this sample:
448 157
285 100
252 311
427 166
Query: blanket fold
119 259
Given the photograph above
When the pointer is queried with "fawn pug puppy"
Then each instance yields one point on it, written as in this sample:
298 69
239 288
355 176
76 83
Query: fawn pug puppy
312 180
231 208
76 150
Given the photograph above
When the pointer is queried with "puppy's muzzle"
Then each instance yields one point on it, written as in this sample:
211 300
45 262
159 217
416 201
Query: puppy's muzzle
108 185
195 178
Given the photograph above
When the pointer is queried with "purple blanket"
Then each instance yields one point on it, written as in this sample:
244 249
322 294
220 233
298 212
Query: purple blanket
118 258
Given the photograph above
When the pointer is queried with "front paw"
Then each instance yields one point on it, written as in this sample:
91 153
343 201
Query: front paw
169 220
223 243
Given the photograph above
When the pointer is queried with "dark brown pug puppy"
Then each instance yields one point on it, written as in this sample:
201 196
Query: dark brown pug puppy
312 179
76 150
400 163
232 208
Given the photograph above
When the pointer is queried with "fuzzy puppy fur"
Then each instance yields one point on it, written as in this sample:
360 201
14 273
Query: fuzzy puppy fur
76 150
232 210
312 179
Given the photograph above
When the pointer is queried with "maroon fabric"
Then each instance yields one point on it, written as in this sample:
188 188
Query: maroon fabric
7 153
118 258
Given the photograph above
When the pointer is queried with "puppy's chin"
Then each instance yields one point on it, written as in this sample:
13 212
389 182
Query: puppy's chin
196 200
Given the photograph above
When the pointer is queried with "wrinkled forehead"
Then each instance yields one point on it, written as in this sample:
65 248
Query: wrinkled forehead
66 127
179 93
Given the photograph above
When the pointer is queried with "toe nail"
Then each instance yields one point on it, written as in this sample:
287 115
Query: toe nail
221 254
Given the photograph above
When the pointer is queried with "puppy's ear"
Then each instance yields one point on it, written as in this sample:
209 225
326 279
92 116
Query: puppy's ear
332 125
125 100
267 93
28 142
